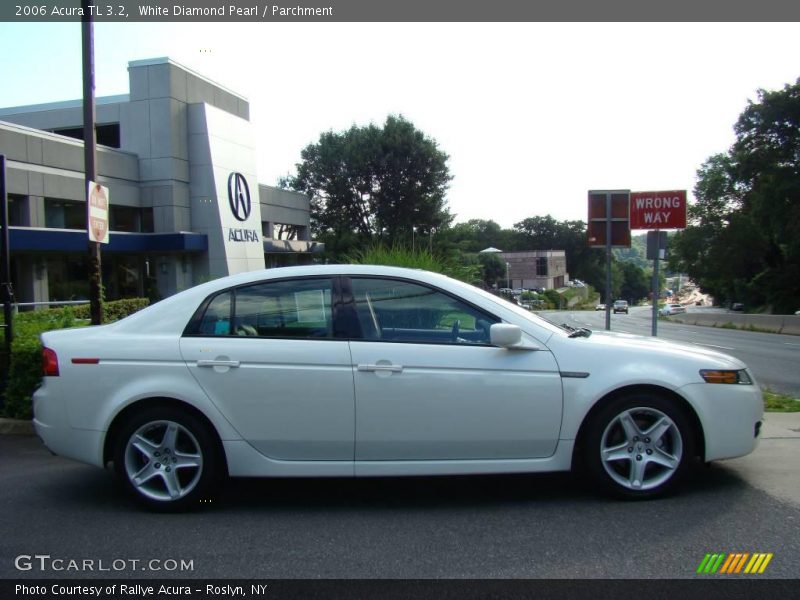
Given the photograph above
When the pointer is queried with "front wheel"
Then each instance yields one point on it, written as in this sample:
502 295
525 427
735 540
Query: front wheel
168 459
638 446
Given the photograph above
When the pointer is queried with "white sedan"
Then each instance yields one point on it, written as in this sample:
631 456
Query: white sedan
374 371
672 309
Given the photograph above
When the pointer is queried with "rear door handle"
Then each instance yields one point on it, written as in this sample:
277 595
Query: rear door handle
387 368
218 363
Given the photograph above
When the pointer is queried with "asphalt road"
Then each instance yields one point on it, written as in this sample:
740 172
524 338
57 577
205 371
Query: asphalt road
773 358
478 527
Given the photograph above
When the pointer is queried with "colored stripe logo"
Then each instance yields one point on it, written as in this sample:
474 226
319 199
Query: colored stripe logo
735 563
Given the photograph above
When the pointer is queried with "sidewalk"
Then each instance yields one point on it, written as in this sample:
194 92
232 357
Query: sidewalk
774 467
15 427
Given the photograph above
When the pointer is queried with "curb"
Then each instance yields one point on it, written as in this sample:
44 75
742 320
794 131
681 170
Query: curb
16 427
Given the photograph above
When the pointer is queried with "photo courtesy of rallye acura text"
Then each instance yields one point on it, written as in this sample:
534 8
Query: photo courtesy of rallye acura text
378 371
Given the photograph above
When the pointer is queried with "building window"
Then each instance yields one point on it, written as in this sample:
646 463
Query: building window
125 218
68 277
541 267
64 214
17 207
146 225
122 276
107 134
283 231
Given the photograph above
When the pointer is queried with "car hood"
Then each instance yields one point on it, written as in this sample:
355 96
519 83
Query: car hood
604 348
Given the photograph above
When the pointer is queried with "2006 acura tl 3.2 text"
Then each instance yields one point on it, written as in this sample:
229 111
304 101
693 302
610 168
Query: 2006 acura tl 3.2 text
363 371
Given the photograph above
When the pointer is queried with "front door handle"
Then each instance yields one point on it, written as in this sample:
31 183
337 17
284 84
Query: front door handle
386 368
218 363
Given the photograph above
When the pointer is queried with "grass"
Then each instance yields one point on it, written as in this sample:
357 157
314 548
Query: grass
775 402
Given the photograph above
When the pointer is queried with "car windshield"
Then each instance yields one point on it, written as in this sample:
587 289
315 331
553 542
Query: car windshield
538 319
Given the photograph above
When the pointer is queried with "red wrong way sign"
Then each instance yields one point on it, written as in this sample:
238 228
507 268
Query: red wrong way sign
658 210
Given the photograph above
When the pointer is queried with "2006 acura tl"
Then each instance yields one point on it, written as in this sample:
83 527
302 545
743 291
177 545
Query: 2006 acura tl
362 370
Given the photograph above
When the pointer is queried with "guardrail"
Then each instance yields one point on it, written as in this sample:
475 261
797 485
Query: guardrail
788 324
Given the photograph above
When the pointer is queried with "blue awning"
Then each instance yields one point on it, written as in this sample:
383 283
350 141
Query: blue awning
34 239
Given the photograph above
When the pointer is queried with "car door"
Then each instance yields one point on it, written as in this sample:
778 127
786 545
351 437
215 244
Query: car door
267 356
429 386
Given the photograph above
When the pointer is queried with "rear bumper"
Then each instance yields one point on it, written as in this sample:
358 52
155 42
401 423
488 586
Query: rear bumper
52 426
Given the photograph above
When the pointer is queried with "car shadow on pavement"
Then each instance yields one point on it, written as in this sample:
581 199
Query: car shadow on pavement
50 479
451 491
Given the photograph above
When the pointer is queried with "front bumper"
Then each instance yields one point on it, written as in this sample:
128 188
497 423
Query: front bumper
730 415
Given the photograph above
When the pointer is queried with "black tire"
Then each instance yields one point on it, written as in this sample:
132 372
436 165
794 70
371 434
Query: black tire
638 445
177 457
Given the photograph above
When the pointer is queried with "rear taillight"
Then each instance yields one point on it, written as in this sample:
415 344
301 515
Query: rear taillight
49 363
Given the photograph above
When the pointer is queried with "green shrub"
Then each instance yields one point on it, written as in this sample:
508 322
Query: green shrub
25 368
24 376
400 256
114 311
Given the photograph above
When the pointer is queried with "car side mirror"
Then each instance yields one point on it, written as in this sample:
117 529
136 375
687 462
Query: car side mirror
505 335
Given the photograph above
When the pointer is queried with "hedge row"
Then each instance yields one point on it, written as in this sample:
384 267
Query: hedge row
25 370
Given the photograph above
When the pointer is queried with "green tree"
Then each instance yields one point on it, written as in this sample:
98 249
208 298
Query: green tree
635 284
742 243
494 269
373 183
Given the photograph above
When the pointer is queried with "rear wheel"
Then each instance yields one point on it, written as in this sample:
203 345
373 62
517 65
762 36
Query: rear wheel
638 446
168 459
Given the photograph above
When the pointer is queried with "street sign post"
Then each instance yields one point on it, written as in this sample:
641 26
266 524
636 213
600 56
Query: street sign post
609 227
656 211
620 218
656 251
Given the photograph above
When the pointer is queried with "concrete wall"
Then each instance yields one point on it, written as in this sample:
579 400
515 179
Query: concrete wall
41 164
788 324
286 207
61 115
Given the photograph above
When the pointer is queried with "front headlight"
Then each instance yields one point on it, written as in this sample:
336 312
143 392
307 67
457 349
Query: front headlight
718 376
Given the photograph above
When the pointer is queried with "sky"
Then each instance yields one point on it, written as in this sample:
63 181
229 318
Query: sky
532 115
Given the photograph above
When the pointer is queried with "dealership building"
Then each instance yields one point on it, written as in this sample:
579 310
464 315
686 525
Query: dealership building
178 155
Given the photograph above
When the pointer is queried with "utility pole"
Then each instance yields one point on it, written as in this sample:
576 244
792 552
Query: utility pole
90 159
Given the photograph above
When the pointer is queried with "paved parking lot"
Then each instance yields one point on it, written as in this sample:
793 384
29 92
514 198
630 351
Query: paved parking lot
476 527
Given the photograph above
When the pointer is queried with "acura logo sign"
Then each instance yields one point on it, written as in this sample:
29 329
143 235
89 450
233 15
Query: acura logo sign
239 196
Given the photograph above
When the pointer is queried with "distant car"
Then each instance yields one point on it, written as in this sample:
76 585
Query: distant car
359 371
600 307
672 309
621 306
737 306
